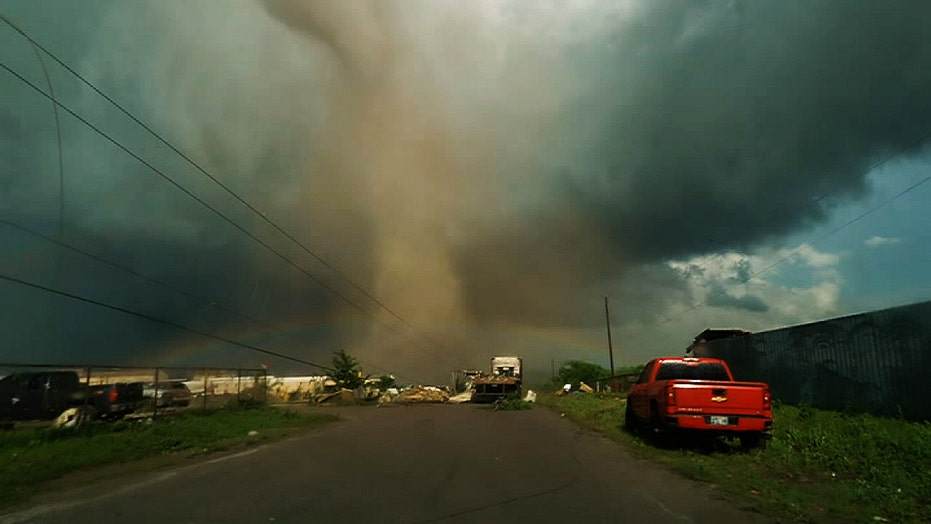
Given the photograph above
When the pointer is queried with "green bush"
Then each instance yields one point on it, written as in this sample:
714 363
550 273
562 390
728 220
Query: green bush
576 371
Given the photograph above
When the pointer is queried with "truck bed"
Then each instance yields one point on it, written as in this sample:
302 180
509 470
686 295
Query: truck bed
491 388
714 397
721 406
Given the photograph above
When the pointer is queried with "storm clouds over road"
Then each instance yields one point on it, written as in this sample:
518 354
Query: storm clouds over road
487 170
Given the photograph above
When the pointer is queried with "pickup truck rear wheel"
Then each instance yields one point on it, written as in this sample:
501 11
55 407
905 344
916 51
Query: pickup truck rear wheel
631 422
655 421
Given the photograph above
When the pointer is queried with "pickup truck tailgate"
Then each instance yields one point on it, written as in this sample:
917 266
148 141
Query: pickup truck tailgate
736 398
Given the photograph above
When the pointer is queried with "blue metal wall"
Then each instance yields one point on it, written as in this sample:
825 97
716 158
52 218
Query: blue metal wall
878 362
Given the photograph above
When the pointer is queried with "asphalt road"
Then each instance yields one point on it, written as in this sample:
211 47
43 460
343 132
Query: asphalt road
413 464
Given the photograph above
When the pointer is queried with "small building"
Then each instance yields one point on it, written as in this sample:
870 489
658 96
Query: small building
695 348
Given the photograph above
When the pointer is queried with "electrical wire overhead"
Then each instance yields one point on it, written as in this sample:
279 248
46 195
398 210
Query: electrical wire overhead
210 207
795 251
263 216
158 320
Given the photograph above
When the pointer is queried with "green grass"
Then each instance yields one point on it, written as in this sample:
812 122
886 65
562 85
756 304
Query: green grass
31 457
820 466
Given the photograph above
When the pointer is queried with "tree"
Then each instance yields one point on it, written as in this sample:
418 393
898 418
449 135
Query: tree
347 371
631 370
385 382
575 371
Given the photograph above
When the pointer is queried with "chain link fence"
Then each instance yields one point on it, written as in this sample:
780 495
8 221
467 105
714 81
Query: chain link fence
49 391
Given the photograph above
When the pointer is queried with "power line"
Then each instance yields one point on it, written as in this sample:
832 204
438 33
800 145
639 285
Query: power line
212 178
159 321
147 278
840 228
795 251
176 289
170 323
888 158
201 201
48 80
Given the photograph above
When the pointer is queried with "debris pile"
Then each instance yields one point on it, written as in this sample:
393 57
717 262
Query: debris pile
423 394
73 417
567 389
461 398
342 395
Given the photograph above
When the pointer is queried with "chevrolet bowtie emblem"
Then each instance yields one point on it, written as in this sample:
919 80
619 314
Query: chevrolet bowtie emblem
719 399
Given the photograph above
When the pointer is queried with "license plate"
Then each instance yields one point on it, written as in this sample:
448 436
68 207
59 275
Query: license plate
718 420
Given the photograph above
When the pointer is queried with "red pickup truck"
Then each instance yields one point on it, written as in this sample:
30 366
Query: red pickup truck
699 394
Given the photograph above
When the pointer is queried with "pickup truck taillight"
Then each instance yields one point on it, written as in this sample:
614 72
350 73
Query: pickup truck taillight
670 395
111 396
767 400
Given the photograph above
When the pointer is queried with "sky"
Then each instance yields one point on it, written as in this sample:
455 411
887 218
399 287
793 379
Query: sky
428 183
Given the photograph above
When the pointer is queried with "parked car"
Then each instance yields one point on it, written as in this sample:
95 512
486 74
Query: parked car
115 401
699 395
46 394
174 393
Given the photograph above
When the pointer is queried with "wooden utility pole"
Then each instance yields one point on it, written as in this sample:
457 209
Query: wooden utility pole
610 347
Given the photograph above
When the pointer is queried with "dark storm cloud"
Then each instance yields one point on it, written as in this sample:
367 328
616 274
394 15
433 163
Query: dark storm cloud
122 211
468 163
752 303
714 125
745 115
214 287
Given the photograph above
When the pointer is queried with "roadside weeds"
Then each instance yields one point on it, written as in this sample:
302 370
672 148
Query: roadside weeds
39 459
820 466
